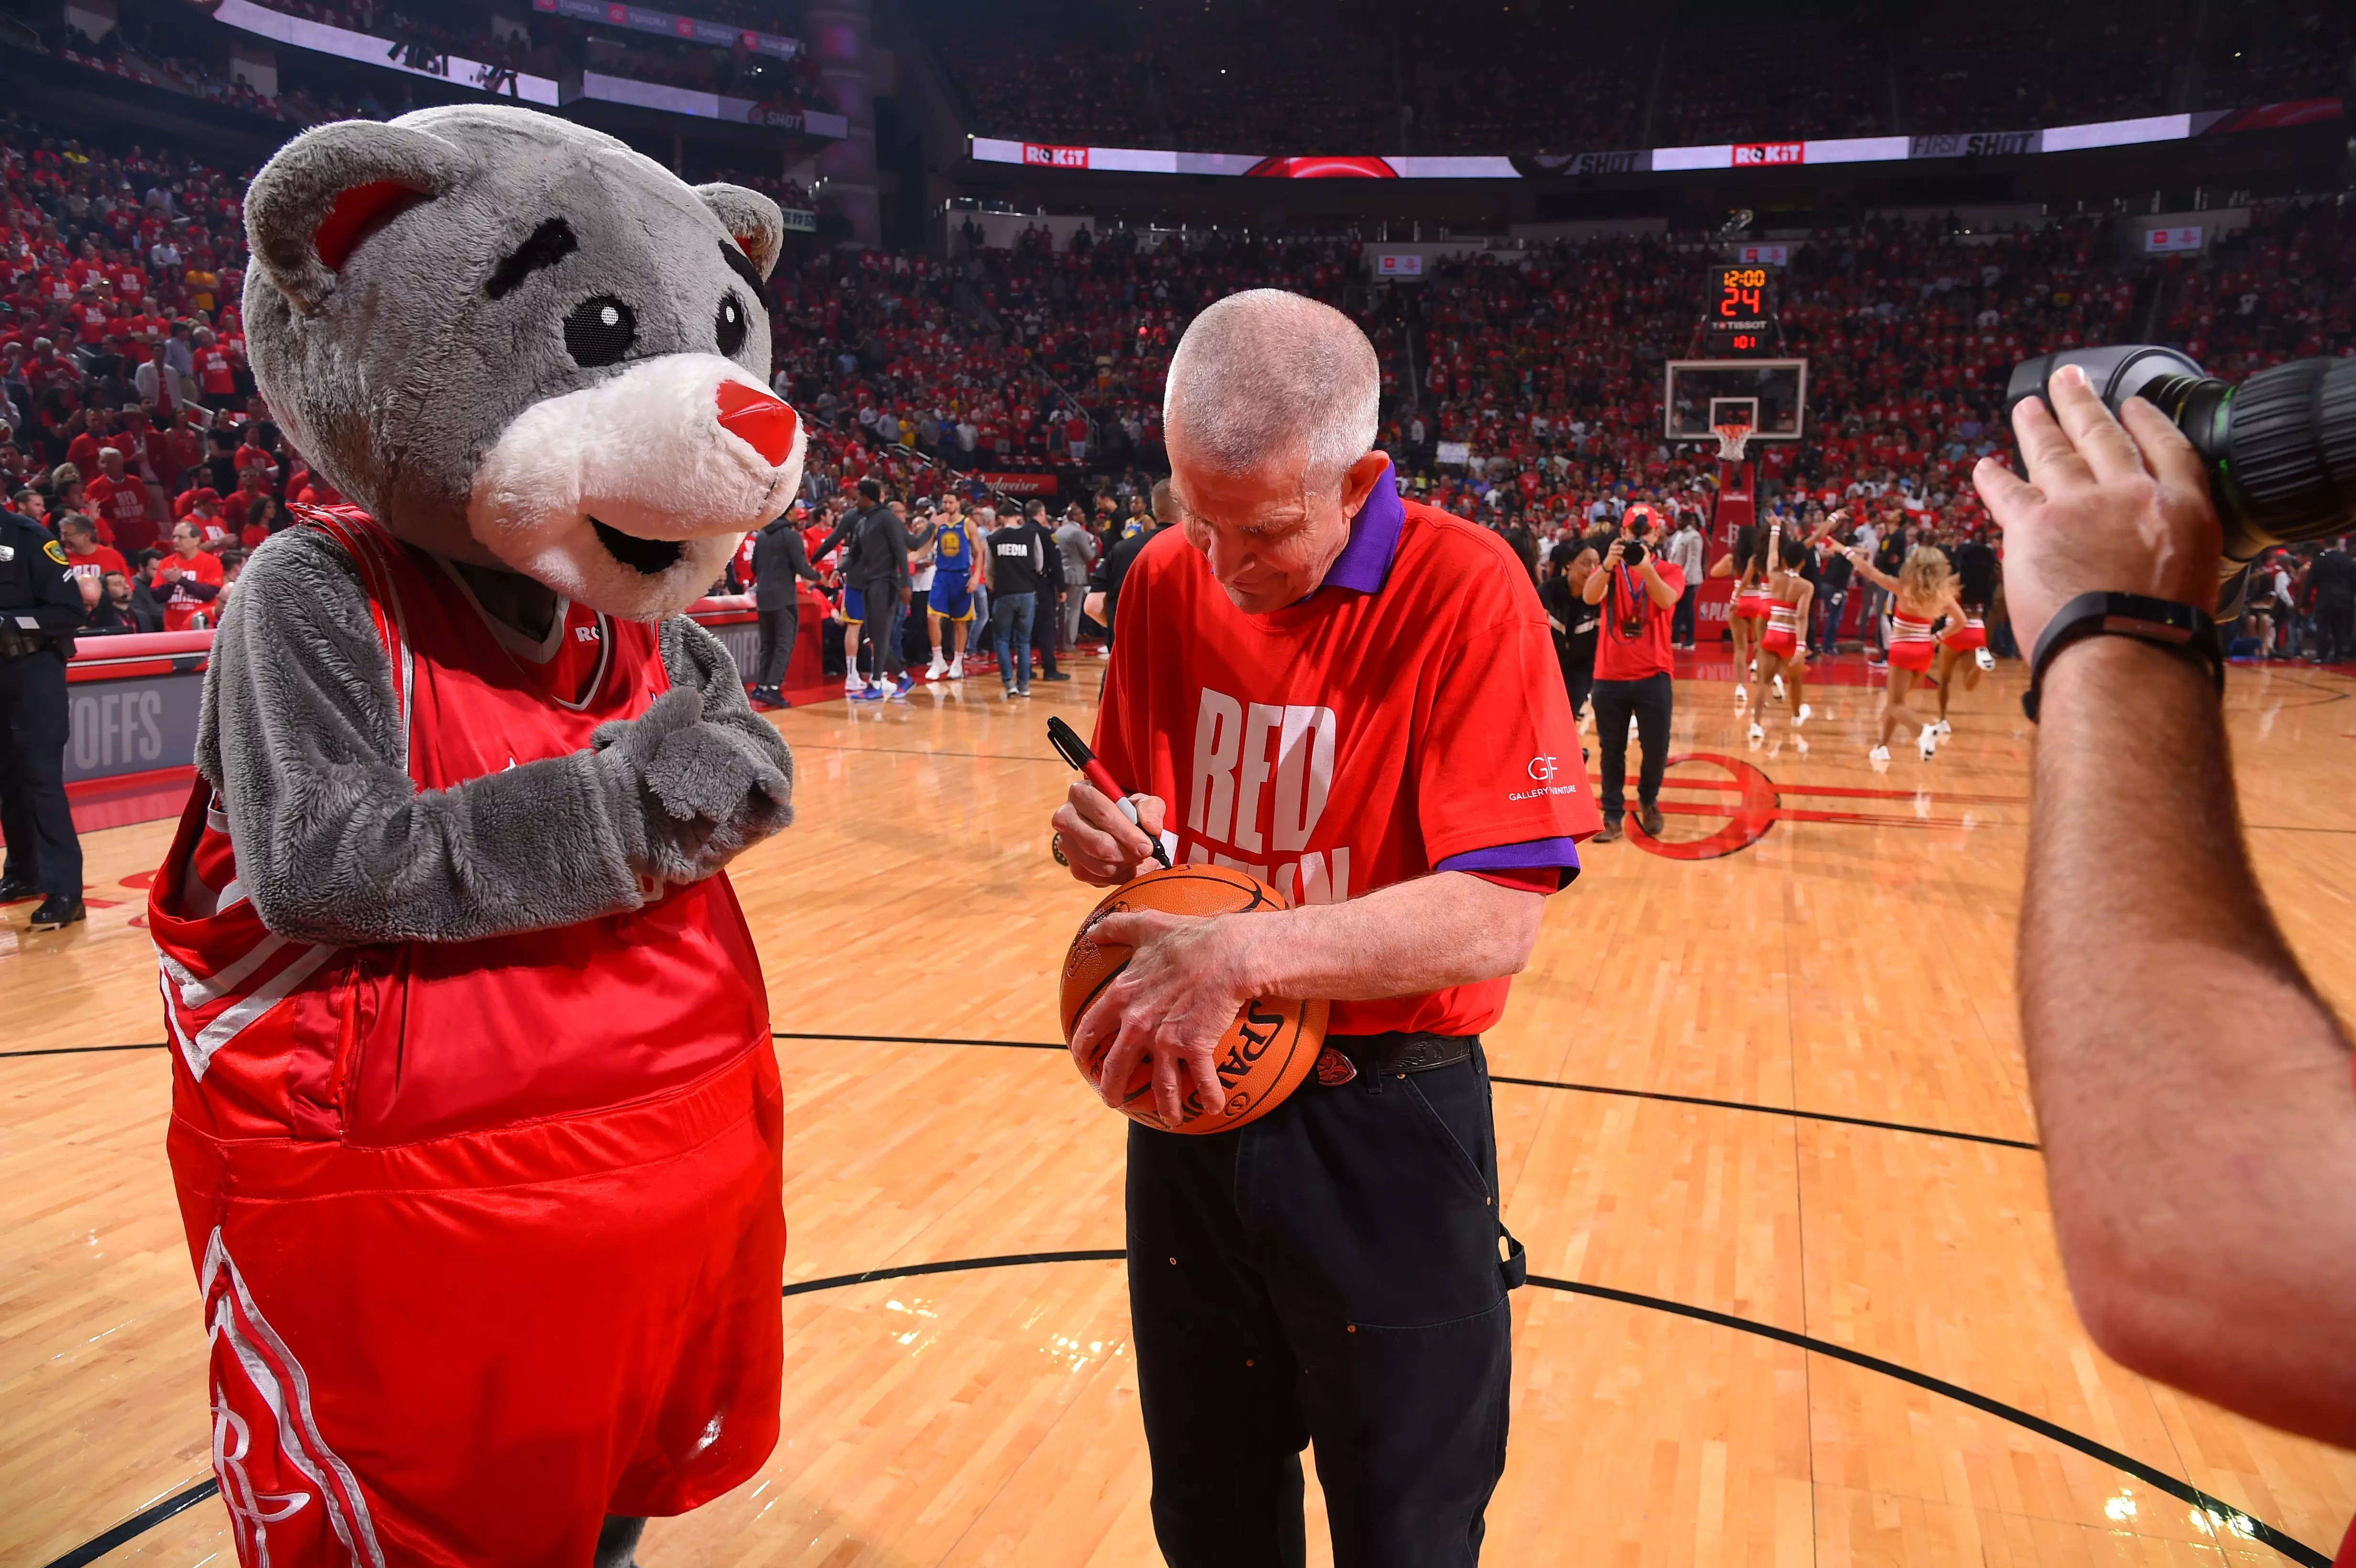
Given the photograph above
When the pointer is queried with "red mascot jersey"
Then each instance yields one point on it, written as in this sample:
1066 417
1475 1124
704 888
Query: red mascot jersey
489 1232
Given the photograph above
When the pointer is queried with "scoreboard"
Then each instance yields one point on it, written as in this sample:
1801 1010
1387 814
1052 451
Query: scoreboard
1739 314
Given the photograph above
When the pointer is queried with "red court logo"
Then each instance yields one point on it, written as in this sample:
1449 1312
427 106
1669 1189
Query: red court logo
1750 803
1045 155
1755 155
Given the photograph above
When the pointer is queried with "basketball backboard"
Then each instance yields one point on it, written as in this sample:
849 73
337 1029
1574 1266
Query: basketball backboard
1698 395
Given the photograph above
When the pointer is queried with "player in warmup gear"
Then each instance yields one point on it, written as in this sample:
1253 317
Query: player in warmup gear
951 604
1746 614
852 613
1923 590
1783 646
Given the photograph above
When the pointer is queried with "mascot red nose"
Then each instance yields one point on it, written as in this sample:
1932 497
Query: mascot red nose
476 1121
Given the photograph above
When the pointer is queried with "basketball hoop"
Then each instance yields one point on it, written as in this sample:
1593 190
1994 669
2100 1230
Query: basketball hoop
1733 437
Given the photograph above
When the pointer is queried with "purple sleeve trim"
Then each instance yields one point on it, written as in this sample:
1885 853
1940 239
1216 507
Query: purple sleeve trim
1531 855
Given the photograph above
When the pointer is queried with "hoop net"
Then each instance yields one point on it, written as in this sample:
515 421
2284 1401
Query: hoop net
1733 437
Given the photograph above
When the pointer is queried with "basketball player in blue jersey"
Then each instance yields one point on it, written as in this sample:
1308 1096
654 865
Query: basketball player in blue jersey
951 604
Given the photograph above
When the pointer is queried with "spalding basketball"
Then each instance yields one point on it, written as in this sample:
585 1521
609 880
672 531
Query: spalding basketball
1267 1051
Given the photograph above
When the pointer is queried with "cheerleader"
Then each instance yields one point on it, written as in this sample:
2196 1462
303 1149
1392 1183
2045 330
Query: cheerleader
1923 590
1783 645
1746 612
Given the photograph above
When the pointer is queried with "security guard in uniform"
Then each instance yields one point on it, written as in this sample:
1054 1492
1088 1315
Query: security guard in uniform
41 604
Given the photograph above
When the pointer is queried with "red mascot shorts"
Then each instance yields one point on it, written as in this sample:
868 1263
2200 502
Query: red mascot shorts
468 1350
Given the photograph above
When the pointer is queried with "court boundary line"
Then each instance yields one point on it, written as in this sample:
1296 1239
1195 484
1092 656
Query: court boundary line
2224 1515
1568 1087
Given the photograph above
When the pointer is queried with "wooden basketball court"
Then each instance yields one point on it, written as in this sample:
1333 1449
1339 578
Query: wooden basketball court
1763 1123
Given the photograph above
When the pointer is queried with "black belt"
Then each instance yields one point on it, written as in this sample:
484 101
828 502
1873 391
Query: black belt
1395 1053
15 643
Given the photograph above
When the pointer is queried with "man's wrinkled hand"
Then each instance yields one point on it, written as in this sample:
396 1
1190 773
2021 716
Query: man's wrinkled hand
1103 848
2108 506
1169 1008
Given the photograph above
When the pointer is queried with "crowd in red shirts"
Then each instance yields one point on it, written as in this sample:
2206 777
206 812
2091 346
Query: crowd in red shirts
132 423
1536 370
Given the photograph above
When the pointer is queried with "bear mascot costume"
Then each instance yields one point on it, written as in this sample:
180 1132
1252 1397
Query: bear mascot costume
476 1121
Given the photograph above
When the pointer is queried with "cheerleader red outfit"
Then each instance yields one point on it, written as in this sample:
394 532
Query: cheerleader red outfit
1909 643
488 1232
1753 602
1783 634
1971 634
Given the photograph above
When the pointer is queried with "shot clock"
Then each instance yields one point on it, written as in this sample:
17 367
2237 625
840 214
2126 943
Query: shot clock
1739 318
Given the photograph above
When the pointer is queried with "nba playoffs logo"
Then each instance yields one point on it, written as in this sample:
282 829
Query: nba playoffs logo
1757 154
1042 155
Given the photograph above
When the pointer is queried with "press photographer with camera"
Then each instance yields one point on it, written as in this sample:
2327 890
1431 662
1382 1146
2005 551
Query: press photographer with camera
1639 593
2194 1092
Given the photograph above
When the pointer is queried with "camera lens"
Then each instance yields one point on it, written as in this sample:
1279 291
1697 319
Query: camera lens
2280 448
1632 552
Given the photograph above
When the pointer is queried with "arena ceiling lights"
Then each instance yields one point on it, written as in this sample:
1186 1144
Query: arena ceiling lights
1661 160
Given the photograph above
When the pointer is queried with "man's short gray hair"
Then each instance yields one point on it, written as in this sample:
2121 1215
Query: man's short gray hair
1264 374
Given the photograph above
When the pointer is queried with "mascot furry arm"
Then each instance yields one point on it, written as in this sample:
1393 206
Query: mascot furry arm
336 844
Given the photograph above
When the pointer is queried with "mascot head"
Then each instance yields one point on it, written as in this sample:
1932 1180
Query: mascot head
518 342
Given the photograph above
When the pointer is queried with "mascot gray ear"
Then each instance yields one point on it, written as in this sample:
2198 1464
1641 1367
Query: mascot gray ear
752 218
331 187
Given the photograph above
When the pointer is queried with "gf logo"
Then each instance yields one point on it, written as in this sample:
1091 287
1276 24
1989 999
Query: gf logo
1542 768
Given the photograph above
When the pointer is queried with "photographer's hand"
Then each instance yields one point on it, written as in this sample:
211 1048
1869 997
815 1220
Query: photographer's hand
2189 1083
2105 507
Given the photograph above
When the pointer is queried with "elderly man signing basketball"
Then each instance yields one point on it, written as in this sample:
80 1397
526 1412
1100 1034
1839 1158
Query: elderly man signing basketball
1354 698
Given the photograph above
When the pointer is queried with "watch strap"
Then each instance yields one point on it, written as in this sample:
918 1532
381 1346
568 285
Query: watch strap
2183 629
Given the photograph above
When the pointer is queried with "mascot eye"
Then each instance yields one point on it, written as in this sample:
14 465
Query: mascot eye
599 331
730 326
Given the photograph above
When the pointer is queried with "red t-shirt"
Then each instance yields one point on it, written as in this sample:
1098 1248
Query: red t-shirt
1621 657
1408 716
182 607
122 504
101 560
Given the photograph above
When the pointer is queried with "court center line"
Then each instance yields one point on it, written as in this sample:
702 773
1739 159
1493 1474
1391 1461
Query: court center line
1988 1138
137 1525
2223 1514
1502 1078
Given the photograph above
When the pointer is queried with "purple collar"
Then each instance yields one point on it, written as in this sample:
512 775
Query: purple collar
1366 562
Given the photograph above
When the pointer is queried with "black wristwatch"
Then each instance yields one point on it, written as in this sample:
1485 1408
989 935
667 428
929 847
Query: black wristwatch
2184 629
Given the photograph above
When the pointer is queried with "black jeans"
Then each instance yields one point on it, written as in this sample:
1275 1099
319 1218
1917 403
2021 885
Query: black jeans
35 726
1579 677
1829 605
1046 619
1649 701
1681 621
885 615
2335 629
1330 1271
778 629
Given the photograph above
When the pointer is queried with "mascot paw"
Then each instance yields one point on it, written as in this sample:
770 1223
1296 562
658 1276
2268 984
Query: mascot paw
714 774
640 738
